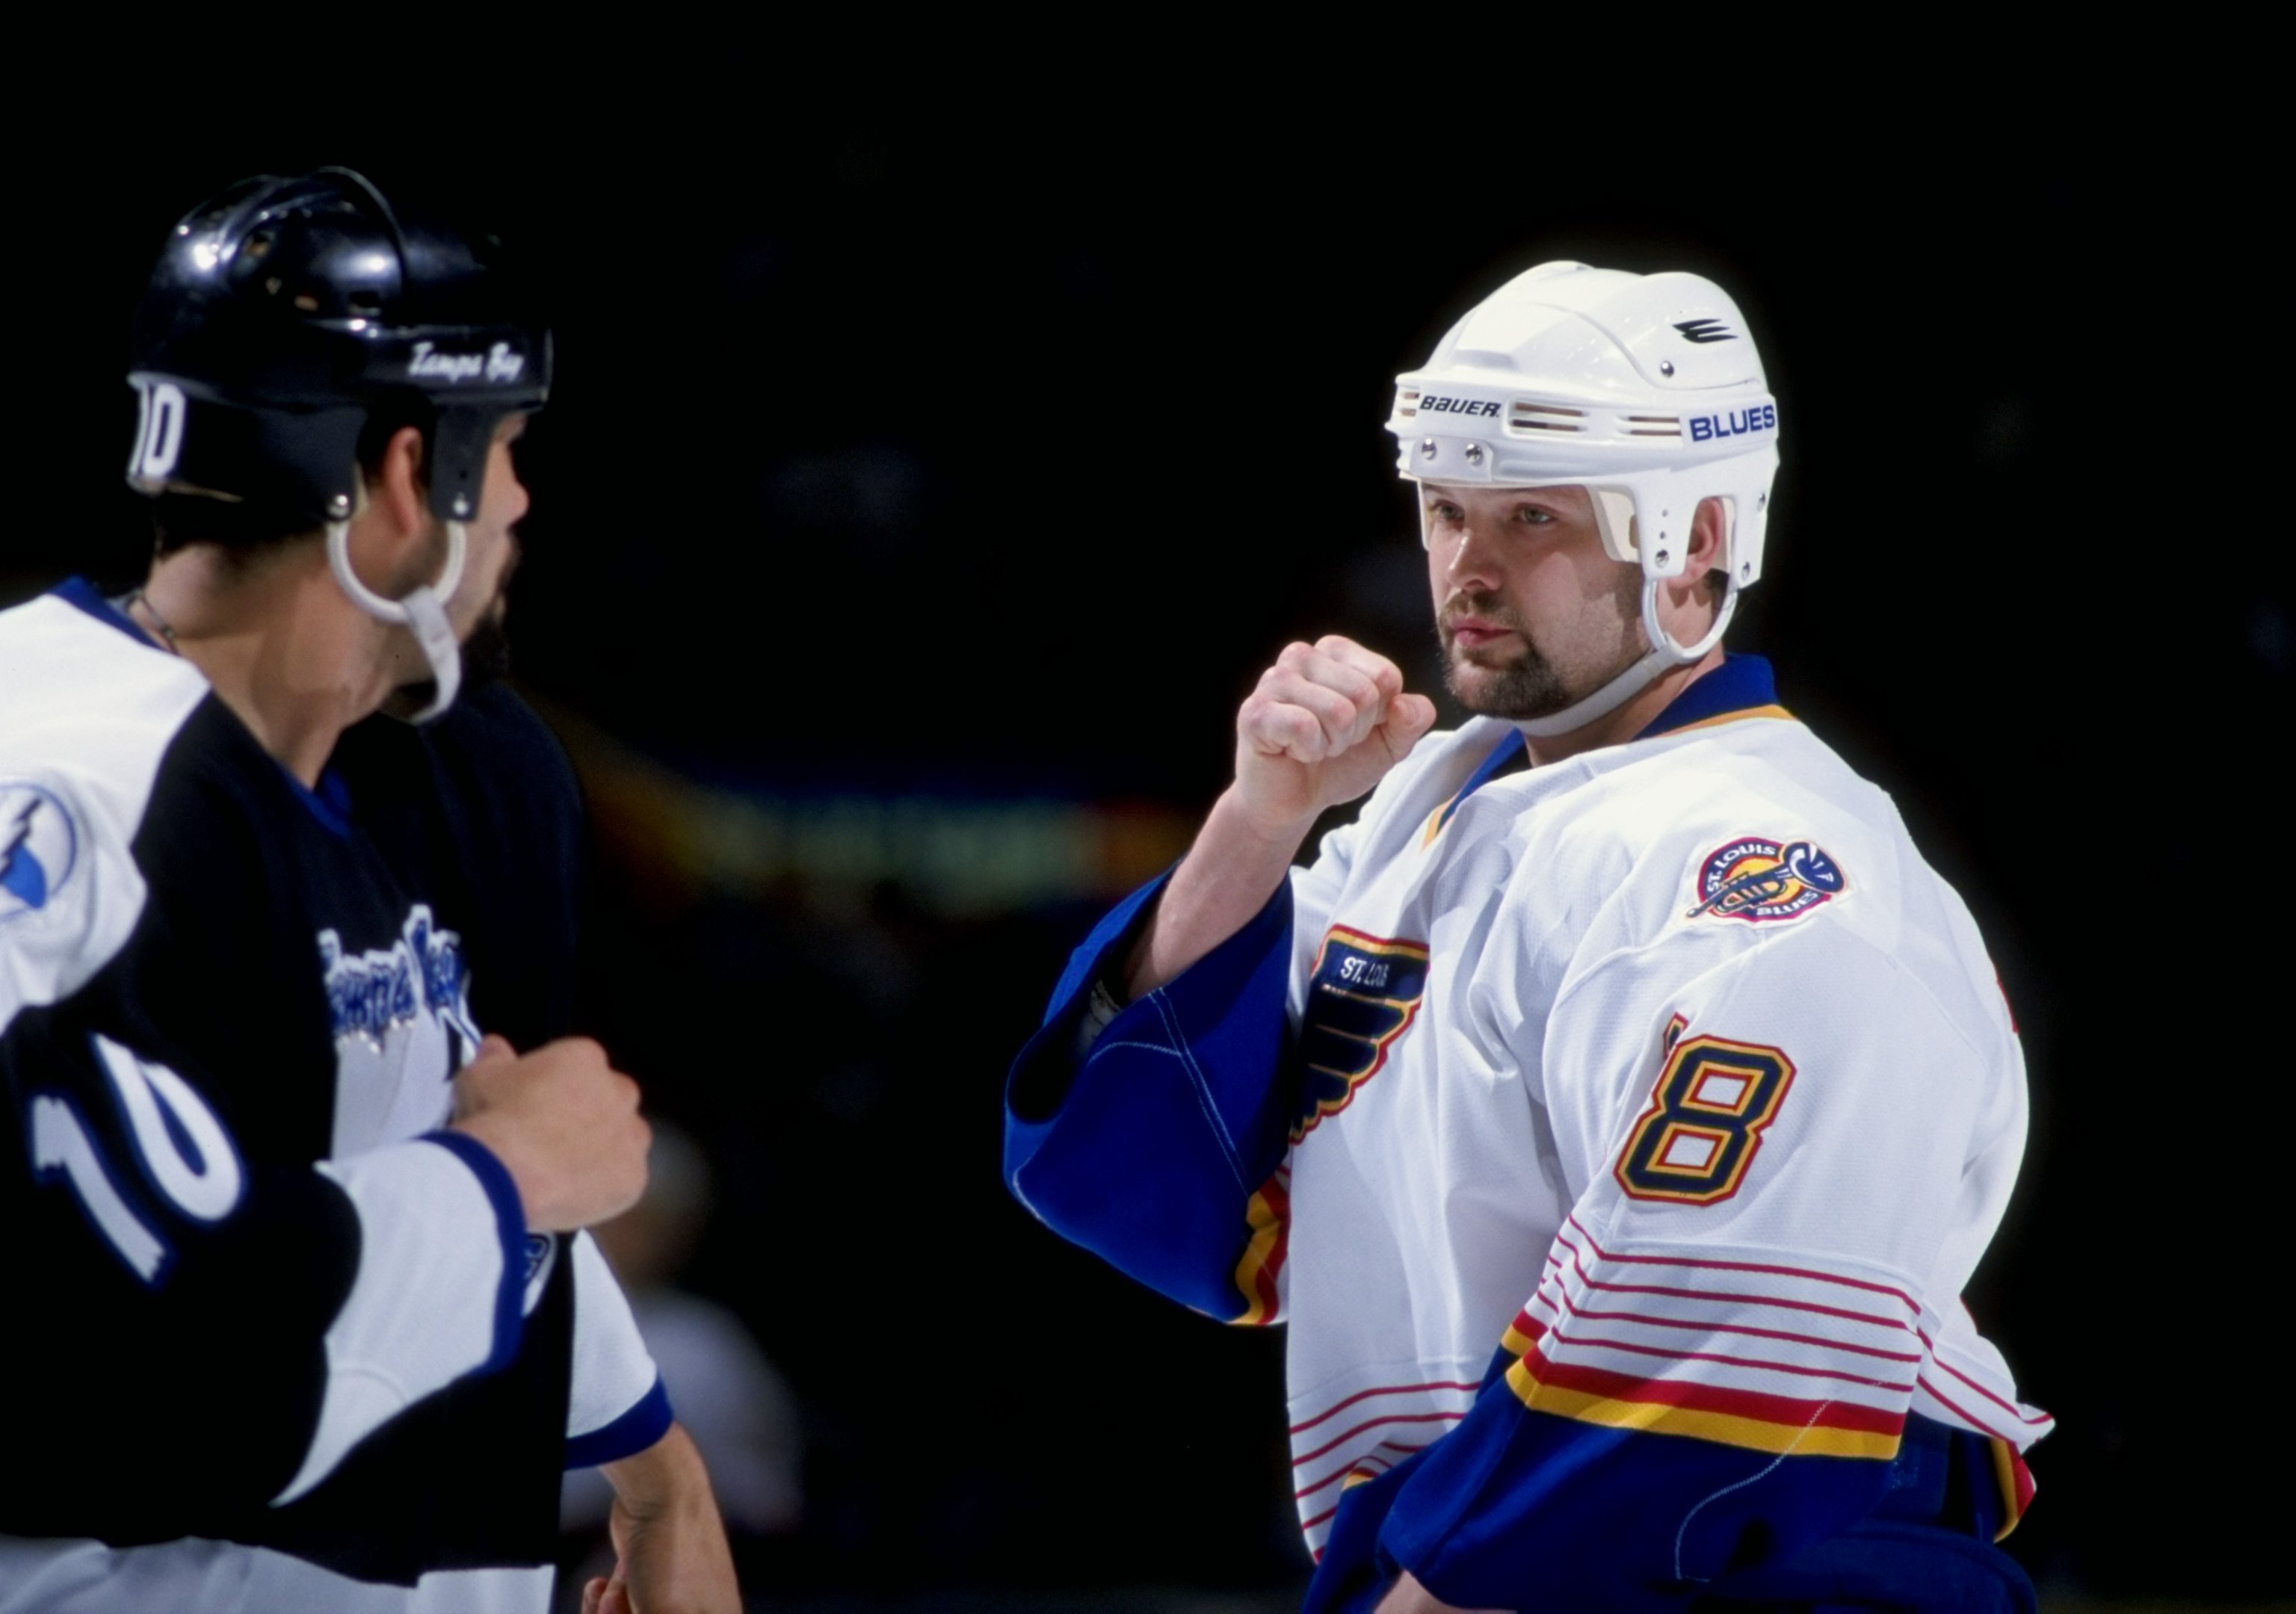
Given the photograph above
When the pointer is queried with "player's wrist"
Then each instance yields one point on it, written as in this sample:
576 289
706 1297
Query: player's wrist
666 1479
1277 820
499 1137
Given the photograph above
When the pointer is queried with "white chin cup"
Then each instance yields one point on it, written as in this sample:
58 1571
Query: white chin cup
423 612
1664 654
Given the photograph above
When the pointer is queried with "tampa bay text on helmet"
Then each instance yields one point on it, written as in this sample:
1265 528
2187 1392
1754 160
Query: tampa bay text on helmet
303 352
1575 397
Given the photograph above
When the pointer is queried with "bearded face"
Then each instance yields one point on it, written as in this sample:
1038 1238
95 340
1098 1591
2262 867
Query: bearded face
1532 615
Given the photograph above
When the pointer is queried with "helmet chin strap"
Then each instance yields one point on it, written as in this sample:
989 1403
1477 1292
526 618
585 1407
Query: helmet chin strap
1664 655
423 612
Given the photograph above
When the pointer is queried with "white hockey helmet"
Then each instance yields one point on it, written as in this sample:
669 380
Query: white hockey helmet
1646 389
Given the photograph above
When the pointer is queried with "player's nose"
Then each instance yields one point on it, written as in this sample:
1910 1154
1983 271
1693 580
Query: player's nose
1474 556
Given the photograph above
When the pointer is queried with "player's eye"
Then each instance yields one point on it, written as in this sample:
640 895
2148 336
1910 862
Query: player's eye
1450 515
1533 515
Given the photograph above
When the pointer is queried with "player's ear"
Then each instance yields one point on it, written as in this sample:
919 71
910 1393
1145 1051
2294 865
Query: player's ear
392 537
1709 532
396 489
1698 590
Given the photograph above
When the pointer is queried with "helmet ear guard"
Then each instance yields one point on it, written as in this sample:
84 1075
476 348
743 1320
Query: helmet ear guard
423 610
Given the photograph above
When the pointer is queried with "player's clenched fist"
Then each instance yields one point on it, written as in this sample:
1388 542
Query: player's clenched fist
563 1122
1325 724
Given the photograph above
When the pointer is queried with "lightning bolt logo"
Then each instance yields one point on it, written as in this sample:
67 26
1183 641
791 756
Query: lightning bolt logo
21 876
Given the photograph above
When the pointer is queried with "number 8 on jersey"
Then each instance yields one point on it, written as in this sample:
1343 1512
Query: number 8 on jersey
1705 1119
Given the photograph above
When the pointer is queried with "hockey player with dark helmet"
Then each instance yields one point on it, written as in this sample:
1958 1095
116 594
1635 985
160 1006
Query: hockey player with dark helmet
259 955
291 327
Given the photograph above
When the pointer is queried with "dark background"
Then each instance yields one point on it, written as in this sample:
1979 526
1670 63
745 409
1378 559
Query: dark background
913 460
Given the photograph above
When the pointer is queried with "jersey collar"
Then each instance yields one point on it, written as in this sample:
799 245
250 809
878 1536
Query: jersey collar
330 804
1740 687
81 592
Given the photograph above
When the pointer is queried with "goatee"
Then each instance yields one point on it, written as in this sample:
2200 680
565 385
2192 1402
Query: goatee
1525 684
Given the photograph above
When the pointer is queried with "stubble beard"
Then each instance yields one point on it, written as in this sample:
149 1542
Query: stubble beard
486 650
486 653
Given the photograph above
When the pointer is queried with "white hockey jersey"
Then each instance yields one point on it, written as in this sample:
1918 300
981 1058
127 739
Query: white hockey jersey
1668 1072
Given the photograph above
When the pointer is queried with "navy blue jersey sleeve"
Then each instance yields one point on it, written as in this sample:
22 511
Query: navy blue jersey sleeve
1158 1146
261 1288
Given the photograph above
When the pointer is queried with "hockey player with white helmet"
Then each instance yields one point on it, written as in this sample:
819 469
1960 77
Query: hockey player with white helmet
1616 1109
1577 377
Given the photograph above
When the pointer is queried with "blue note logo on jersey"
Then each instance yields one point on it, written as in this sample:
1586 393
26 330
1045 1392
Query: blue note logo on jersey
1364 993
39 847
1761 880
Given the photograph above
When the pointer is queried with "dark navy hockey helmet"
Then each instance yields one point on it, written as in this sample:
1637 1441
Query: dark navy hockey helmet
286 313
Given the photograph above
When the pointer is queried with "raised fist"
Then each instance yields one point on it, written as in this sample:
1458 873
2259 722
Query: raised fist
1324 724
